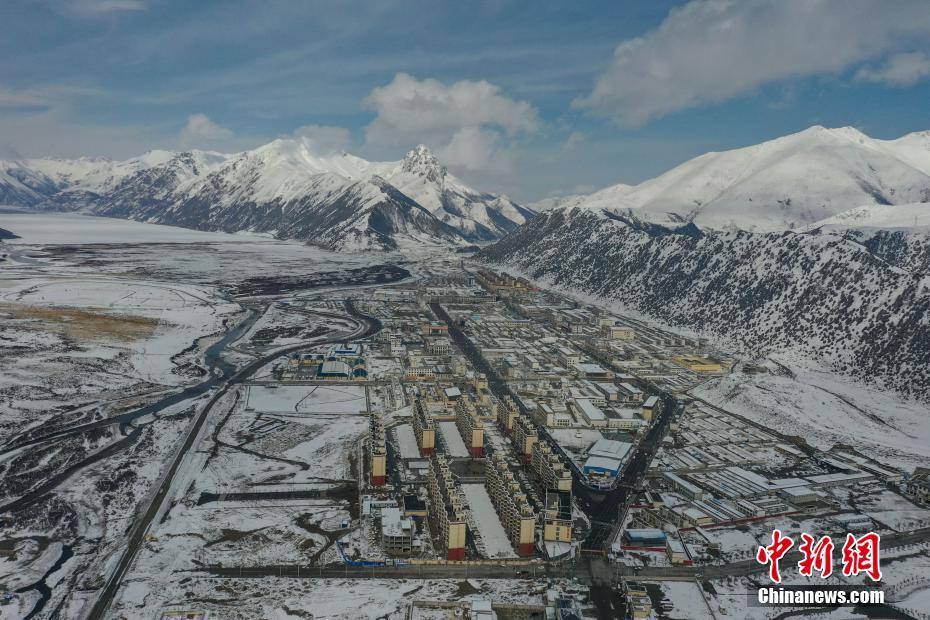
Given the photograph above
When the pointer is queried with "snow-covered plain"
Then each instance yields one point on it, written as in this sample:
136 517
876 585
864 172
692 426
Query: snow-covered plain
72 243
169 317
100 317
310 399
74 228
333 599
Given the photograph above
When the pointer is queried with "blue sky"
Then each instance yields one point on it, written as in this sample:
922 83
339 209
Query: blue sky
531 98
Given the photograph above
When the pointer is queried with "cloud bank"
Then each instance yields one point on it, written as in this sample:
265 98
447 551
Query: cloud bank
709 51
899 70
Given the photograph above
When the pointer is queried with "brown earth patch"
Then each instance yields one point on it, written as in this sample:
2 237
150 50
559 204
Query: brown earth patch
81 324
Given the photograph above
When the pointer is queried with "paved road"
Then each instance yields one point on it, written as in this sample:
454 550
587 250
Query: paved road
591 571
418 571
367 326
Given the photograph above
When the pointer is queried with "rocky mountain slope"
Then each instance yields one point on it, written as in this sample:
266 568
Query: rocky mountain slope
899 234
285 188
477 216
782 184
823 294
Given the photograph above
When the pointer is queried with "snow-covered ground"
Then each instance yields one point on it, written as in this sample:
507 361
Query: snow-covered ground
688 600
293 448
825 409
74 228
88 244
890 510
326 399
494 539
148 321
407 442
334 599
452 439
99 317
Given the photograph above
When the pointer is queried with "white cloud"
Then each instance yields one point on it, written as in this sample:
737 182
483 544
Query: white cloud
54 132
95 8
475 149
898 70
324 139
574 140
201 132
709 51
468 122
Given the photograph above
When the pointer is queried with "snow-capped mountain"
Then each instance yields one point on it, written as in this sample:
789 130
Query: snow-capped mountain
783 184
22 186
859 305
335 200
478 216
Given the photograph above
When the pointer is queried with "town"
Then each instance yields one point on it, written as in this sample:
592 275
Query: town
515 432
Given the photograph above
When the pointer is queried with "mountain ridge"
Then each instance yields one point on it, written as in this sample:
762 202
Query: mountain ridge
782 184
285 187
856 305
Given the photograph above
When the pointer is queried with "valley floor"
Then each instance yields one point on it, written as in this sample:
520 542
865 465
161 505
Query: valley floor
114 341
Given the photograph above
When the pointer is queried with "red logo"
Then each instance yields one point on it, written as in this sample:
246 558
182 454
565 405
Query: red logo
860 555
817 556
773 553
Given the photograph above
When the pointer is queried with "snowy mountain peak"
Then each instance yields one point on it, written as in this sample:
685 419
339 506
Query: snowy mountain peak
783 184
421 161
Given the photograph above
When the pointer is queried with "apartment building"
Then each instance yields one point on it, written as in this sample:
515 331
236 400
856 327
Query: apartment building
557 517
397 532
470 425
550 470
377 453
512 506
524 437
507 414
446 509
423 429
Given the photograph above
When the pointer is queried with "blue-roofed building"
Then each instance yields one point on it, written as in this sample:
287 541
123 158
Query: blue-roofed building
605 460
645 537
